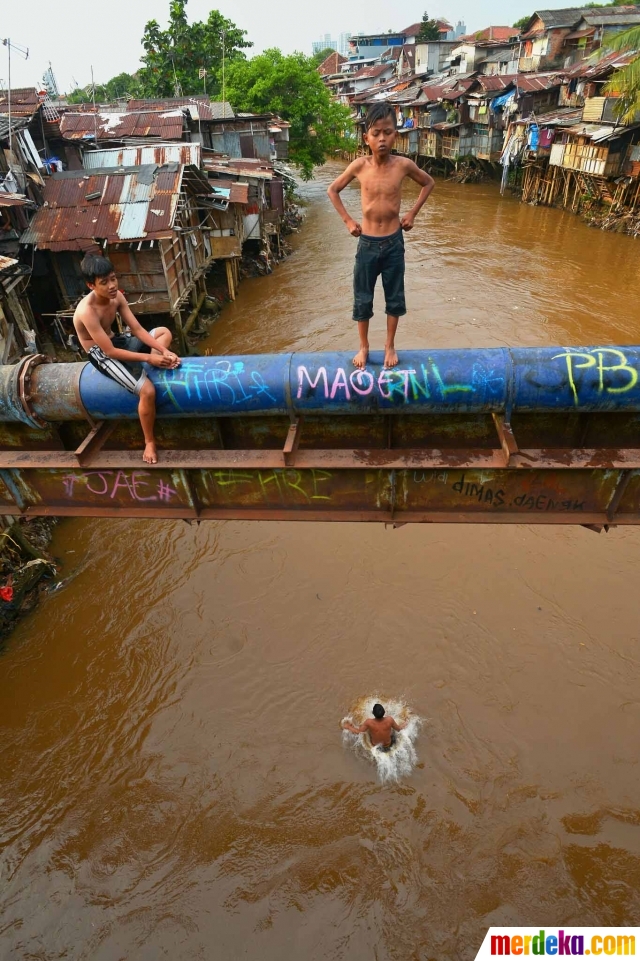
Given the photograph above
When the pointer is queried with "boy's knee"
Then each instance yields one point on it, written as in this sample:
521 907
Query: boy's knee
162 332
147 391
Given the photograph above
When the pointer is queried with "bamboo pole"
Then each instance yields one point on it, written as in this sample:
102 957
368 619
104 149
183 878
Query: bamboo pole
182 343
230 285
193 316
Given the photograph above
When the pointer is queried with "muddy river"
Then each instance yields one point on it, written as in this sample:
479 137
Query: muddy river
173 782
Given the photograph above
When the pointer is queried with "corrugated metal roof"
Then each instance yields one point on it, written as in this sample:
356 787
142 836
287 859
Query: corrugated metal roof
599 133
525 82
163 153
332 64
7 262
136 204
238 193
200 106
369 73
24 101
13 200
116 126
17 123
612 17
578 34
560 117
447 90
598 66
571 16
501 34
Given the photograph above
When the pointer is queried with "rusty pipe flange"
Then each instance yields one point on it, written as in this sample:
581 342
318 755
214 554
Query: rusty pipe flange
26 367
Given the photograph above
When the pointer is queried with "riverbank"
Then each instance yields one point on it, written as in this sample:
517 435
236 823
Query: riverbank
608 205
26 567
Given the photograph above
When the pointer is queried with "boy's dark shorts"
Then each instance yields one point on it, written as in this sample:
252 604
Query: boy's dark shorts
375 256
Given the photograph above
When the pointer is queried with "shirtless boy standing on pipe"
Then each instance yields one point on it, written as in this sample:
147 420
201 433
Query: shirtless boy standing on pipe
381 244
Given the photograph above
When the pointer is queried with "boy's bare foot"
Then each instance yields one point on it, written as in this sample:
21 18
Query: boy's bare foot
390 357
361 358
150 454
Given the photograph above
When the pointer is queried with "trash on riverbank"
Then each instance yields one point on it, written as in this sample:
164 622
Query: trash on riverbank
25 567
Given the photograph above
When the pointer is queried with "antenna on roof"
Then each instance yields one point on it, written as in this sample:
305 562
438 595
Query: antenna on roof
24 53
224 89
95 111
50 83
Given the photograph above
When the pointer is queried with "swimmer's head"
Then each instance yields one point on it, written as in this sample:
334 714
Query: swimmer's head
378 711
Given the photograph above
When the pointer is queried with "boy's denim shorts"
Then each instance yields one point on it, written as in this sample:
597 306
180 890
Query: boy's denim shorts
375 256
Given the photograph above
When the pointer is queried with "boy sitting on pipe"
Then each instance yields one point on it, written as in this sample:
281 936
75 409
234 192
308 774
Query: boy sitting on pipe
120 356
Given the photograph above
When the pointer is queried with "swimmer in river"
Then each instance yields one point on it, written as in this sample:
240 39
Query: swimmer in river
381 729
381 243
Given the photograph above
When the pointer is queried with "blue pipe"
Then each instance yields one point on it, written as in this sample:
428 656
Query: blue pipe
425 381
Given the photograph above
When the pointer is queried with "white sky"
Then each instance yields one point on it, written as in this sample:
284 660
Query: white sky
76 34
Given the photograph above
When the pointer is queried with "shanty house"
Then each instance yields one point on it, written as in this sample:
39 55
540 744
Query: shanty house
17 325
149 220
599 150
558 38
432 56
214 125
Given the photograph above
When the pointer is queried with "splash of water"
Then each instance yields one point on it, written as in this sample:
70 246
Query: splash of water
400 761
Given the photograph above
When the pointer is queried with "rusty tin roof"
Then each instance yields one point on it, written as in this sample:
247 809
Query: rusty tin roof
143 154
136 203
168 125
24 101
200 107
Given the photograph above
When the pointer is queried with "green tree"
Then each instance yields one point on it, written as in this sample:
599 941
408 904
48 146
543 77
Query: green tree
124 86
174 58
322 55
428 29
291 87
521 23
625 82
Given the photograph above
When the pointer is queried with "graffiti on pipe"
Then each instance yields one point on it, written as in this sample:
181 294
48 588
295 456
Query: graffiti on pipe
577 361
227 382
402 385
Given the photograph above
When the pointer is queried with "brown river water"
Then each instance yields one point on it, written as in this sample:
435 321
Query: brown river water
173 782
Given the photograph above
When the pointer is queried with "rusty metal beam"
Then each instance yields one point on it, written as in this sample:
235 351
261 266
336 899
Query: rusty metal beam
465 458
292 442
93 442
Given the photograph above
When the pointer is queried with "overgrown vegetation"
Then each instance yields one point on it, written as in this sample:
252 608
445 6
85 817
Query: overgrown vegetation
428 29
209 57
625 83
291 87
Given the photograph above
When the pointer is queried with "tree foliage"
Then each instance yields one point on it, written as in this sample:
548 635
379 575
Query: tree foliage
124 86
428 29
625 82
521 23
291 87
174 58
322 55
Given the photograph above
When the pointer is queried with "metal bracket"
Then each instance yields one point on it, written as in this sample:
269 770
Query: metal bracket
94 440
292 442
25 371
618 493
505 436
